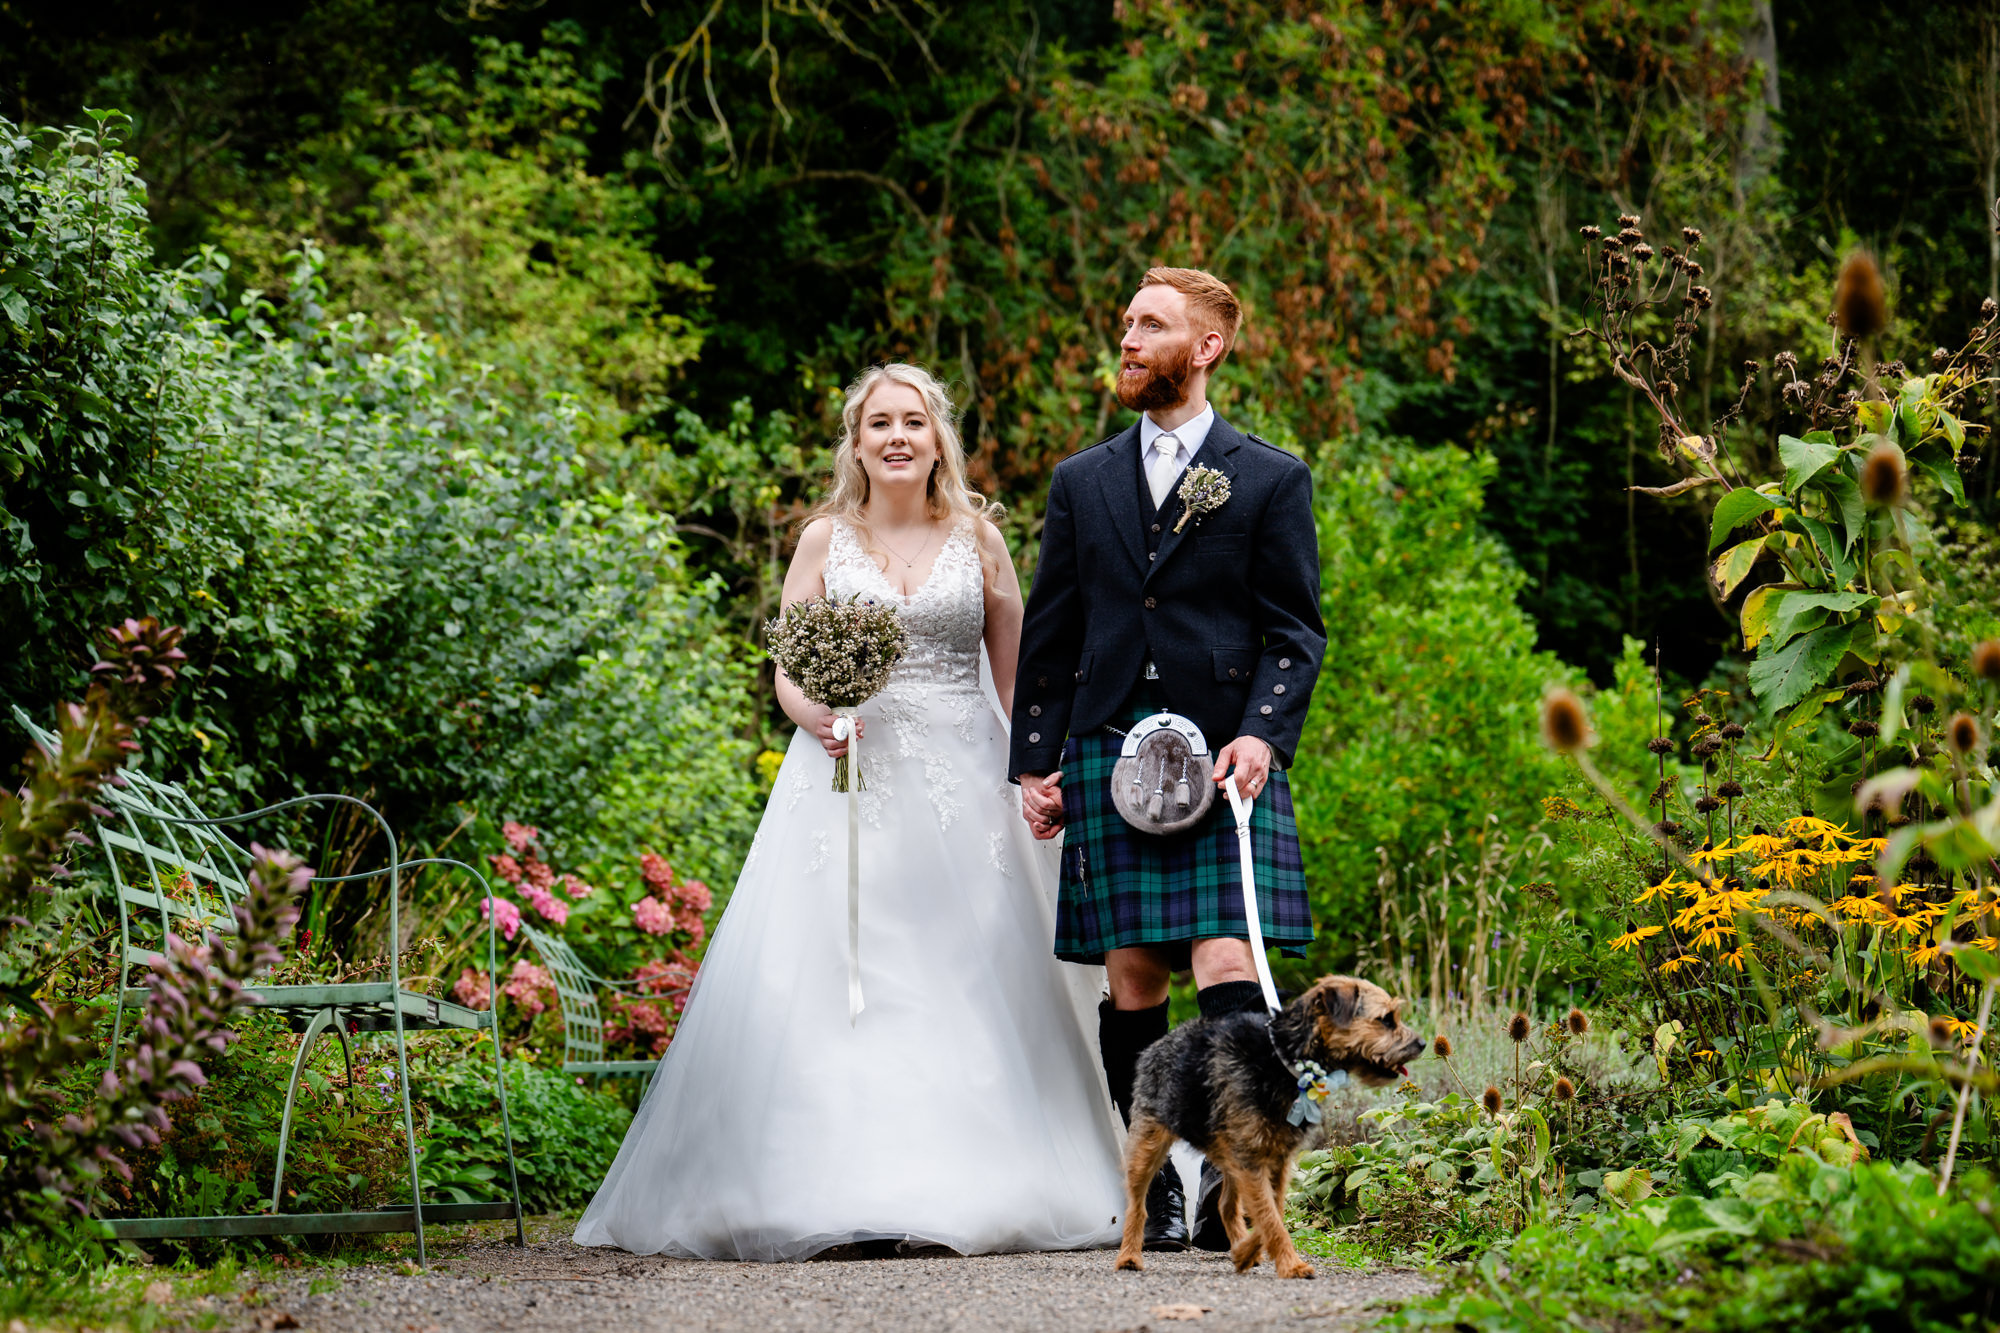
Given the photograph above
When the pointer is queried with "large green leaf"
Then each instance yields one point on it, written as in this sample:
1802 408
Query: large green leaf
1801 611
1846 496
1833 548
1734 510
1789 674
1758 608
1735 564
1804 460
1873 416
1943 471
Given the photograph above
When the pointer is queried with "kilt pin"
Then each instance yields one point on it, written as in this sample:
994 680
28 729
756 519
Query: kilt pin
1219 622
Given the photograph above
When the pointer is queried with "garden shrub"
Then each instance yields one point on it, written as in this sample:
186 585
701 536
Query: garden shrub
1423 722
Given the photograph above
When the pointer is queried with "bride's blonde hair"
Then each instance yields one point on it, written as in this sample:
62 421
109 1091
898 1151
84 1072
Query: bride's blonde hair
948 492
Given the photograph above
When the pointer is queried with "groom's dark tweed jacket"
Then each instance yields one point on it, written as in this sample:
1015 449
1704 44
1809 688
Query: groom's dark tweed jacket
1228 608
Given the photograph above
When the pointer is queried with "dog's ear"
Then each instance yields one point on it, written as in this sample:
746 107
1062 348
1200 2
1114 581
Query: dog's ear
1340 1000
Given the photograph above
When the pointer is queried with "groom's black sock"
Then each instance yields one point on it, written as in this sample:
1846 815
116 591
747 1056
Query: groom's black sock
1121 1035
1230 997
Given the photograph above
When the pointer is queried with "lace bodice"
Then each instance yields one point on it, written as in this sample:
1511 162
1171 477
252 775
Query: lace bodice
945 618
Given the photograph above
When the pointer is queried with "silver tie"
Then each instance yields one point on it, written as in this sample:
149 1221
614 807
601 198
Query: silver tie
1166 466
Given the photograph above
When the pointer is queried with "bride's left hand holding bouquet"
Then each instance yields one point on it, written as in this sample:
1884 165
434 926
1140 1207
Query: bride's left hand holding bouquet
839 654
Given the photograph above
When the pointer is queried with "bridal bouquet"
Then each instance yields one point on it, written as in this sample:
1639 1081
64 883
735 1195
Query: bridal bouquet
839 655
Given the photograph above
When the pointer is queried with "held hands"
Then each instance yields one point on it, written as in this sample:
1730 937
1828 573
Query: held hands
822 728
1251 758
1042 804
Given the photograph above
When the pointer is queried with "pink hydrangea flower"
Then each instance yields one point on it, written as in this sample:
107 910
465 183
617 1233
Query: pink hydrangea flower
526 985
506 867
539 875
575 887
552 908
519 836
658 875
652 916
696 895
505 915
471 989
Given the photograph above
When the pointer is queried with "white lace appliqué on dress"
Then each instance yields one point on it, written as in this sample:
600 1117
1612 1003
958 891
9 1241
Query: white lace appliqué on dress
945 619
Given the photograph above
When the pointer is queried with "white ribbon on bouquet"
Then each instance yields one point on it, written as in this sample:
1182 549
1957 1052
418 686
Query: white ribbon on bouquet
1241 808
846 727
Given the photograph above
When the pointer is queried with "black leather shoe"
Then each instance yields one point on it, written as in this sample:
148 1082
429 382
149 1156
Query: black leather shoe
1209 1233
1166 1212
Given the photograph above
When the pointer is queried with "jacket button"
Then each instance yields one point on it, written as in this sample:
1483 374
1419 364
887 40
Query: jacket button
1156 527
1277 689
1232 673
1034 738
1034 710
1265 710
1284 664
1152 555
1079 678
1151 603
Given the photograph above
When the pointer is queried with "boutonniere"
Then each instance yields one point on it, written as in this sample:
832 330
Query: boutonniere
1315 1086
1203 491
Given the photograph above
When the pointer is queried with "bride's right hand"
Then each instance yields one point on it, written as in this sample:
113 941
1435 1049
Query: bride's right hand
822 727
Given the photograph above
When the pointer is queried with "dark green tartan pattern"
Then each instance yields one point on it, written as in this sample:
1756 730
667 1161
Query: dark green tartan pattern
1121 887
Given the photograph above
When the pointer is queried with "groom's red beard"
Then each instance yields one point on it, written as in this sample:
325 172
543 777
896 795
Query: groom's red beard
1165 384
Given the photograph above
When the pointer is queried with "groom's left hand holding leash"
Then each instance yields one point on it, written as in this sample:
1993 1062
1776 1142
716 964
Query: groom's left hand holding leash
1251 758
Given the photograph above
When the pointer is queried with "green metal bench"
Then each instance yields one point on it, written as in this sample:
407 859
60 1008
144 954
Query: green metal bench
168 861
583 1020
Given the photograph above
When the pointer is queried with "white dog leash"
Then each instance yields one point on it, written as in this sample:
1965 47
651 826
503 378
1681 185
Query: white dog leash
1241 808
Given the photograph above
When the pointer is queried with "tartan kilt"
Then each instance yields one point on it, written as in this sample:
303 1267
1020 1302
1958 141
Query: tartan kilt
1121 887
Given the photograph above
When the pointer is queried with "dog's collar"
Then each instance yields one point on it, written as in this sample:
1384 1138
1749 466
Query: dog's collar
1315 1084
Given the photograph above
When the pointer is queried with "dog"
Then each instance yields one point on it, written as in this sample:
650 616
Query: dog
1228 1085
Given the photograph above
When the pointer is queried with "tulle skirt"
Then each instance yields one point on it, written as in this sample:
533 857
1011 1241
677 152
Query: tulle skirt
965 1106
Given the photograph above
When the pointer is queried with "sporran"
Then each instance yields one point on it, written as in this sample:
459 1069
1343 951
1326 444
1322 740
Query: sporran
1162 782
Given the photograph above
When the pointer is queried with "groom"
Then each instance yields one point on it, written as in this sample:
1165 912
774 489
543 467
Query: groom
1216 618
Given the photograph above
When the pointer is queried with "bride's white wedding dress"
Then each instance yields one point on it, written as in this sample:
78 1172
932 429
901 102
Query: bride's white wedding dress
964 1107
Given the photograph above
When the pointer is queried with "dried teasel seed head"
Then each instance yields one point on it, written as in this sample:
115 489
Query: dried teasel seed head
1883 479
1628 219
1661 745
1491 1101
1961 734
1940 1030
1518 1027
1578 1021
1865 685
1642 252
1666 828
1986 660
1564 1091
1706 746
1939 356
1565 729
1989 308
1731 731
1442 1046
1692 235
1860 308
1706 805
1731 790
1590 233
1864 729
1921 703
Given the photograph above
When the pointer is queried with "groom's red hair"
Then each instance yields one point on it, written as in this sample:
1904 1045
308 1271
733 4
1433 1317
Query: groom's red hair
1211 305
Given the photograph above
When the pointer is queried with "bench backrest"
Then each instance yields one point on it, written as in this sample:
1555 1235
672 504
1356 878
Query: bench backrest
161 872
576 992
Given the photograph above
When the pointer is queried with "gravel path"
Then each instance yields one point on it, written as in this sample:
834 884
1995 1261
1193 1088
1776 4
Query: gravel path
479 1282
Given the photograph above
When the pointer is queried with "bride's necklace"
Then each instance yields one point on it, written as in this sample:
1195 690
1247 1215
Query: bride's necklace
907 562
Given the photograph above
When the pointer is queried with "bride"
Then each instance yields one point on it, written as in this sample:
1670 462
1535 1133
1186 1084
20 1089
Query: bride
963 1107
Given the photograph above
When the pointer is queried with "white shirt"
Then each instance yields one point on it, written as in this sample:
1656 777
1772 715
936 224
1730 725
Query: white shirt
1160 475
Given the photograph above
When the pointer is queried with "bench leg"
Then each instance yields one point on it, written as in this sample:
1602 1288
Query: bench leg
319 1024
507 1132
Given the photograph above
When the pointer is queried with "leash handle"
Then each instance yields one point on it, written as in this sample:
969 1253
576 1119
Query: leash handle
1241 808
